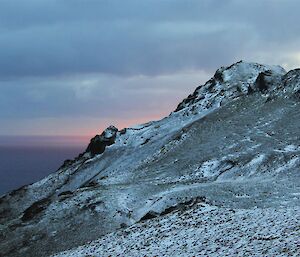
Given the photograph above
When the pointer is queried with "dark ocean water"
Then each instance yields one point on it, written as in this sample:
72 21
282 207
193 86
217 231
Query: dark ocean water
21 165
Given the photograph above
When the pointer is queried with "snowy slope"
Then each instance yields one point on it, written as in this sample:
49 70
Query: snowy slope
204 230
234 141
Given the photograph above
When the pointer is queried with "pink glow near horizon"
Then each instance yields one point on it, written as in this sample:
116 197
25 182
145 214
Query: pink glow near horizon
119 124
79 138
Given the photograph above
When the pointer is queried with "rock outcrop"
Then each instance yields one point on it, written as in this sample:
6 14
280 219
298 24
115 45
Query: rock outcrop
99 142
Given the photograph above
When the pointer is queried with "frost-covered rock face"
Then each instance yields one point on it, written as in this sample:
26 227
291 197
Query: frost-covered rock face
230 82
291 82
234 143
100 142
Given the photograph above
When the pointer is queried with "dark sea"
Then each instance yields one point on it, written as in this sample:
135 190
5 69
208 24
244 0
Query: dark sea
25 164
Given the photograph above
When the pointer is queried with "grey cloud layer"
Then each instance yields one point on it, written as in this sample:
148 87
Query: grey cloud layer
94 95
42 38
123 59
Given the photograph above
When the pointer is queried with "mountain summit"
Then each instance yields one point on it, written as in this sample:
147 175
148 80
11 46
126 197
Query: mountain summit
219 175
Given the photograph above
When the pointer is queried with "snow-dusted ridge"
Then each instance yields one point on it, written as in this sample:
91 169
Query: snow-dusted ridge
234 141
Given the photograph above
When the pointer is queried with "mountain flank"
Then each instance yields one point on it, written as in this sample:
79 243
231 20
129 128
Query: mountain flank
219 175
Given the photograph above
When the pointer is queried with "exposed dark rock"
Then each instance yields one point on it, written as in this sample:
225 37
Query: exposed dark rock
268 81
180 206
35 209
65 193
218 75
232 65
211 84
67 163
149 215
99 142
292 77
238 88
123 225
123 131
189 100
19 191
291 82
93 206
90 184
179 107
146 141
261 83
250 90
178 137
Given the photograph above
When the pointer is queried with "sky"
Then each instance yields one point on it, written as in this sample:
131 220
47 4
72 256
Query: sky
70 67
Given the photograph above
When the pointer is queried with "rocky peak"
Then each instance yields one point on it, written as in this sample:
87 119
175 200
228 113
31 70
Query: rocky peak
230 82
247 72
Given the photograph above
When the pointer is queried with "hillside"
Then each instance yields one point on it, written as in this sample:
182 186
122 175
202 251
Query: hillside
220 172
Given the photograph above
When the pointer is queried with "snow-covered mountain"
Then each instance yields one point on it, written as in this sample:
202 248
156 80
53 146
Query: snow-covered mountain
230 150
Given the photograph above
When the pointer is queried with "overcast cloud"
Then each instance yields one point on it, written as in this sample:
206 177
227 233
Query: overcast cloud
71 66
